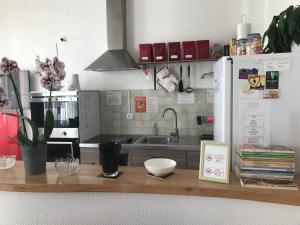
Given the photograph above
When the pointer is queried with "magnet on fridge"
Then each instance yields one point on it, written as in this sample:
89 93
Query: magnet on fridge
271 93
272 80
256 81
243 73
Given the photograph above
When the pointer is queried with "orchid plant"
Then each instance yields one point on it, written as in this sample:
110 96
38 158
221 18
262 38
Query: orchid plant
51 73
4 101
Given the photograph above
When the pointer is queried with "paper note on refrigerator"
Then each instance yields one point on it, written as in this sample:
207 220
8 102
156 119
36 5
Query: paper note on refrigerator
278 65
254 122
210 95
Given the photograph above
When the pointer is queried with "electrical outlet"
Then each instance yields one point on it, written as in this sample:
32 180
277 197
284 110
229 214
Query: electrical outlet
129 116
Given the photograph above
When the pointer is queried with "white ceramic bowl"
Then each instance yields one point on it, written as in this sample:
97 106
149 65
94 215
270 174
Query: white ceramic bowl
160 166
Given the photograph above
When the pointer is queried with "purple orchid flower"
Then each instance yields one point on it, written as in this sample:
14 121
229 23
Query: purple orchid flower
50 71
8 66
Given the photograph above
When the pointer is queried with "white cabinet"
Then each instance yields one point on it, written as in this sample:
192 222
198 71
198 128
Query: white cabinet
193 160
185 159
89 156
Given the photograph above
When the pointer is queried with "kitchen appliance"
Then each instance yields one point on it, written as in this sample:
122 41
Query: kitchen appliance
116 57
76 119
244 116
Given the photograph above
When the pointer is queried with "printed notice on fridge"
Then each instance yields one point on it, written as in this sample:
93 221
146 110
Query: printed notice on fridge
215 162
254 122
278 65
210 95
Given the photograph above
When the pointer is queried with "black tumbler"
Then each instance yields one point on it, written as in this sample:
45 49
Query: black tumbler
110 156
226 50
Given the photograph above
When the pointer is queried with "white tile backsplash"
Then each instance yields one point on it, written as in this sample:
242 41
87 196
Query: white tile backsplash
114 121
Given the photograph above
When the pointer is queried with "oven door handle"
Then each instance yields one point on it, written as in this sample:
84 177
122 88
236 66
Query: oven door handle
62 143
55 99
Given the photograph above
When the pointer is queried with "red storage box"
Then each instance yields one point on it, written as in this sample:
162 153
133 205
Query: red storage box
160 52
146 53
202 49
189 50
174 51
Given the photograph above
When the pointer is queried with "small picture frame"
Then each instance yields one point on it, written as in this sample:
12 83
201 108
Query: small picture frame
215 161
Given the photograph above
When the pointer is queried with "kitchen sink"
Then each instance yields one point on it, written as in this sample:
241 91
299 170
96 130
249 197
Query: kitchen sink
159 140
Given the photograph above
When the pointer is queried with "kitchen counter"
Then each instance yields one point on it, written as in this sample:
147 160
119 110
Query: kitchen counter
136 180
136 198
191 143
94 141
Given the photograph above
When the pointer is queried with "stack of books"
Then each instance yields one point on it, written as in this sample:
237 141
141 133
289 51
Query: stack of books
262 167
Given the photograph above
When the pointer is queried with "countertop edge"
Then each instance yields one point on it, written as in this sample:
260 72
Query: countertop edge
146 189
148 147
136 180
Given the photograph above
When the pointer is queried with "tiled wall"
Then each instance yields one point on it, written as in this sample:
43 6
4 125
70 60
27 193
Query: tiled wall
114 121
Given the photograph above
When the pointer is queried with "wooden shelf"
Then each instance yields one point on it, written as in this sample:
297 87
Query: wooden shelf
181 61
136 180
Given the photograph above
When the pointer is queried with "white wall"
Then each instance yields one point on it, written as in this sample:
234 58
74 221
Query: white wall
274 7
255 12
33 27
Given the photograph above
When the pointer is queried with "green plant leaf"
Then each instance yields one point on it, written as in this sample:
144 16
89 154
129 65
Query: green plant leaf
35 131
22 139
49 124
42 139
282 31
14 140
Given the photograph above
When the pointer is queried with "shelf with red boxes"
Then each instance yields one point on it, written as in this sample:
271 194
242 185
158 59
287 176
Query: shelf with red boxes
174 52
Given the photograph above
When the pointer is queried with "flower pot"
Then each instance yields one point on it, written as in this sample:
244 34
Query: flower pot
35 158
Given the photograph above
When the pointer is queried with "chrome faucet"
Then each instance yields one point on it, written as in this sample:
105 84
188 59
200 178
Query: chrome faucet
174 135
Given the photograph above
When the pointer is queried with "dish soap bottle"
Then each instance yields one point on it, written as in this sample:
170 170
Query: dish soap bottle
153 129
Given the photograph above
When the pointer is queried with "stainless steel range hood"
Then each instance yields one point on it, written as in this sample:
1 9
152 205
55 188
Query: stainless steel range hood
116 57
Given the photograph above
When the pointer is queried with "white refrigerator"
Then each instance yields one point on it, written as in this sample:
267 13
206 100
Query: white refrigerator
242 113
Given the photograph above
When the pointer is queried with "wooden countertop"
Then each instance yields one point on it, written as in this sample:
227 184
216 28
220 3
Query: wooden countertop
135 180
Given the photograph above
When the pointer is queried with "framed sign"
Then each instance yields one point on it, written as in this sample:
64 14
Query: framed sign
214 161
140 104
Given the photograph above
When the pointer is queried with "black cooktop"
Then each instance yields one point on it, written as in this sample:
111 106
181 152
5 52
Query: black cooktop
123 139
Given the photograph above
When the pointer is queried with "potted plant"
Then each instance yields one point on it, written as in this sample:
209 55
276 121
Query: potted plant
283 31
34 150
